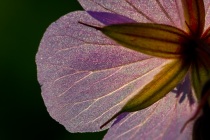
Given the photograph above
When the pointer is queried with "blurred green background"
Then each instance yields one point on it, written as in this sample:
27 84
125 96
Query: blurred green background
23 115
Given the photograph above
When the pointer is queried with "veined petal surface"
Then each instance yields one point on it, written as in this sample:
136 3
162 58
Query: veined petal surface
166 11
207 15
85 76
161 121
110 18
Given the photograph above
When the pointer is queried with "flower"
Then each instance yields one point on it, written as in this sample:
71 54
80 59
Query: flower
144 57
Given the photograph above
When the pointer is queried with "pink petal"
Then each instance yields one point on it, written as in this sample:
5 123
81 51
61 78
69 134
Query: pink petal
207 10
144 11
86 77
161 121
110 18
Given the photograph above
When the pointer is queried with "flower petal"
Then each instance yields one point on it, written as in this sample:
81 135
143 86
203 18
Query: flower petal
173 9
85 76
161 121
194 12
153 39
166 12
207 14
110 18
162 83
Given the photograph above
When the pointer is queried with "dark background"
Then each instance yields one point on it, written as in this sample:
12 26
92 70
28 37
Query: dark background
23 115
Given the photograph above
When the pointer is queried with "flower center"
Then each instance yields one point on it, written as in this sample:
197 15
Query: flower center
195 50
190 50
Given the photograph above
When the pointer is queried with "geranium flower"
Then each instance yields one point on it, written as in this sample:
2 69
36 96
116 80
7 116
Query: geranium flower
143 62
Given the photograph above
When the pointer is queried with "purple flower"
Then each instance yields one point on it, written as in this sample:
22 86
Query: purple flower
143 62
